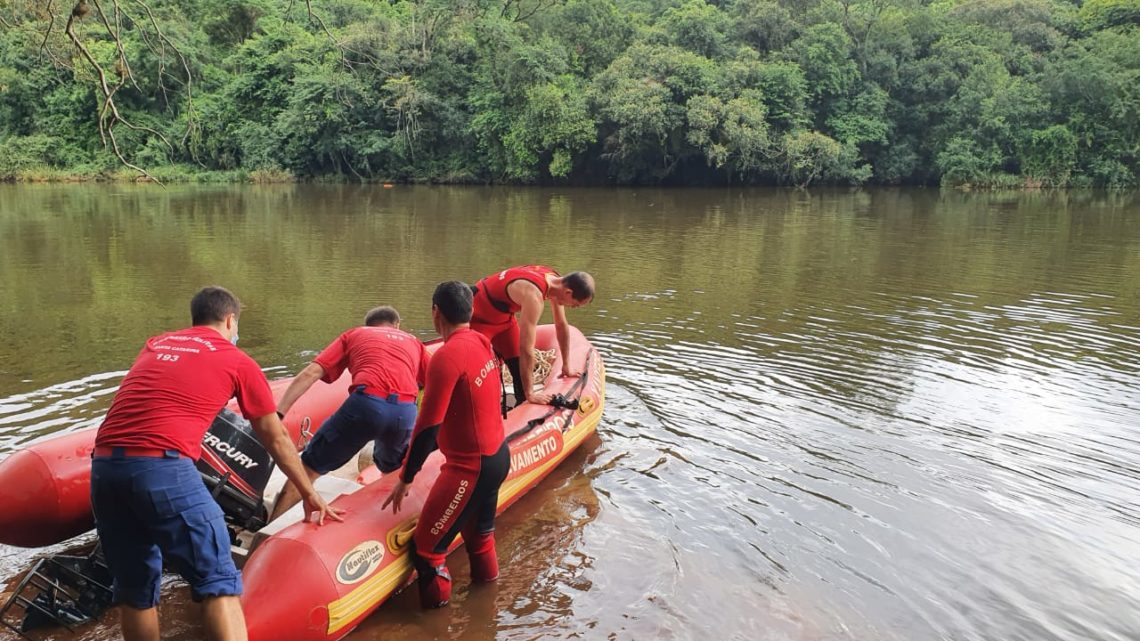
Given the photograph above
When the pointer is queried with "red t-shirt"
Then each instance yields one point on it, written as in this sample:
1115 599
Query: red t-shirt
462 397
179 382
384 360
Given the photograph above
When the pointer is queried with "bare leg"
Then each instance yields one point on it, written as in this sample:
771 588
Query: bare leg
139 625
224 619
289 496
365 466
364 460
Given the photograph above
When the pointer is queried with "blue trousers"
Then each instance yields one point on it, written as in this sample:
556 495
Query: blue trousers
148 510
386 422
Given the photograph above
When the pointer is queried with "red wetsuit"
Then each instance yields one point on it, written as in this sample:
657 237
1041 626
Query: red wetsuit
493 314
460 414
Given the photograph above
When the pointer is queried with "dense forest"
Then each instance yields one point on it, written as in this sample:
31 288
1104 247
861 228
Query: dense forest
677 92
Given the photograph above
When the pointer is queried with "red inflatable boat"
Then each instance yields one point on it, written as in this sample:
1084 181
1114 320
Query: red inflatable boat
45 489
338 573
307 582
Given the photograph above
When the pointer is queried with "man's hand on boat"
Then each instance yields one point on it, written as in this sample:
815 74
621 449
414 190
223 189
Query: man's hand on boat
315 507
539 398
543 398
271 432
396 496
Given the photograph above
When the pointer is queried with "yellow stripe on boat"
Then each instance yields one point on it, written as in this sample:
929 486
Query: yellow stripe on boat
348 608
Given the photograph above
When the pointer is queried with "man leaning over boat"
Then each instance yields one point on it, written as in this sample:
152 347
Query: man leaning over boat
524 291
387 367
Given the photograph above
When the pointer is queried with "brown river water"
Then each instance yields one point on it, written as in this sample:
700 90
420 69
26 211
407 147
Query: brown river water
883 414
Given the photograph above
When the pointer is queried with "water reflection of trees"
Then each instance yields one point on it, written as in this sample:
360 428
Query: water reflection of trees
87 270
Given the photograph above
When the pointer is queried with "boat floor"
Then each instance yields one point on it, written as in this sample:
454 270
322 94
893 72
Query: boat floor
337 483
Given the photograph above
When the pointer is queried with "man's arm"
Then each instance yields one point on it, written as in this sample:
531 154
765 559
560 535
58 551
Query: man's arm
528 320
301 384
421 366
276 440
562 330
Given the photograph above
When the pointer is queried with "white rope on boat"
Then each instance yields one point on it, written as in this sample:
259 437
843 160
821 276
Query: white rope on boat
543 363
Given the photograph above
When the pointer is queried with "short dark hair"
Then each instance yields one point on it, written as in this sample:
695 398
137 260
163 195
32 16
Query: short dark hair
211 304
580 284
383 315
453 299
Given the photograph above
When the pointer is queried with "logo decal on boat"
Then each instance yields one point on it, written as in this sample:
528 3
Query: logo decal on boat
360 562
229 450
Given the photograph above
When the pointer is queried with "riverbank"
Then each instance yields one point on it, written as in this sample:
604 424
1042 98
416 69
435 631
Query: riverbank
163 174
189 174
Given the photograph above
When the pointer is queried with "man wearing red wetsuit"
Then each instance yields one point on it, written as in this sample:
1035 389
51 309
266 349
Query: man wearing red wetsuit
387 367
460 415
149 501
523 290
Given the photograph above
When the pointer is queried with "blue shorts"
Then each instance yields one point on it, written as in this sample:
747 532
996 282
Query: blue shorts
386 422
148 510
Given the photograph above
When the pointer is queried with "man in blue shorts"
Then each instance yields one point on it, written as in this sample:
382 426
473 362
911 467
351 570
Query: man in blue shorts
387 367
149 501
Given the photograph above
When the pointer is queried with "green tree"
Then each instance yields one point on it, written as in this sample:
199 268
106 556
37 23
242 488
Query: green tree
1103 14
765 25
553 129
785 91
732 134
824 52
1094 88
1050 155
595 31
697 26
862 118
809 156
642 100
1002 92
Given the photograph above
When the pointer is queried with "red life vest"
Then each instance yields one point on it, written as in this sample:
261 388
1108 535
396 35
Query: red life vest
494 287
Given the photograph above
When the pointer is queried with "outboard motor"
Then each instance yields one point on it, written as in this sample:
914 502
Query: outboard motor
236 467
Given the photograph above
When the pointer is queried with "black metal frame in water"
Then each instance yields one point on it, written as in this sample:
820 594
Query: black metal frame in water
69 590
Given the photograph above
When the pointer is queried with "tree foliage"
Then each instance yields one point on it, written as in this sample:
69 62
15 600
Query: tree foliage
961 92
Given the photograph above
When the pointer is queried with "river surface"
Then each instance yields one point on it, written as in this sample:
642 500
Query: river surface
869 415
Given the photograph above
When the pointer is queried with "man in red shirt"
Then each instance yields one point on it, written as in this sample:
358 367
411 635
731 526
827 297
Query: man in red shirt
459 415
524 290
149 501
387 367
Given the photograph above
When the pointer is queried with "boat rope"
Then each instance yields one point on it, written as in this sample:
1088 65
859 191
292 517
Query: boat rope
400 536
306 433
543 363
